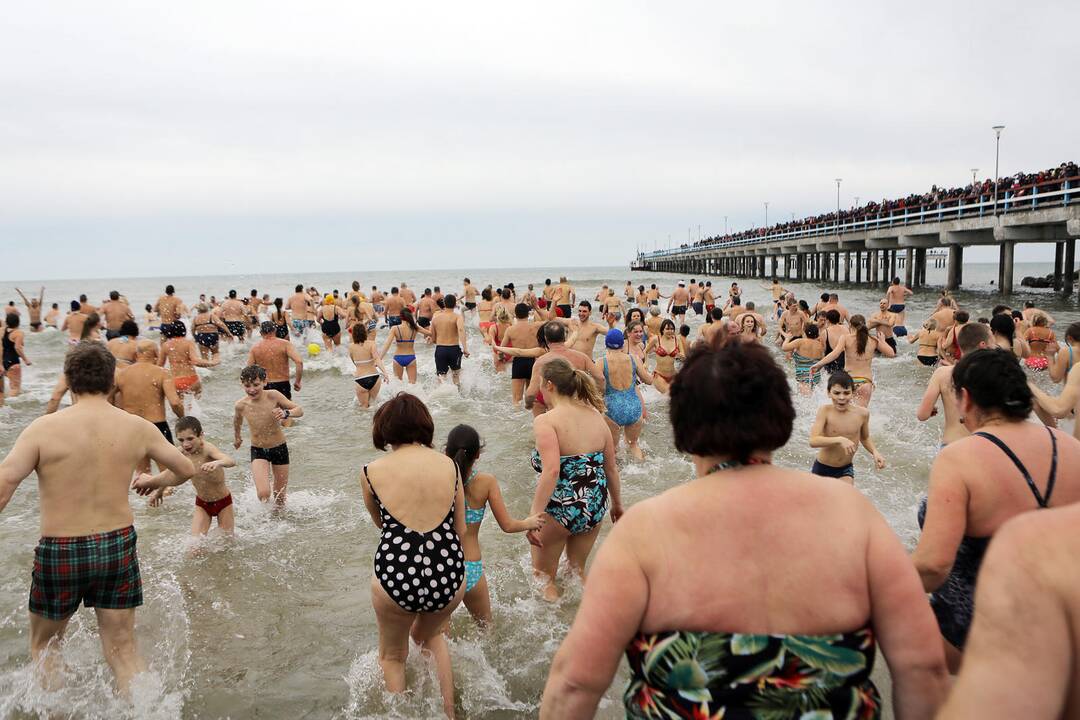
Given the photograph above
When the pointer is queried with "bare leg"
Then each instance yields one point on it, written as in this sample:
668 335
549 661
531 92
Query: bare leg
615 430
478 602
399 371
45 638
226 520
374 392
517 391
633 432
14 375
394 625
412 372
578 548
200 522
117 631
281 482
260 474
545 559
429 630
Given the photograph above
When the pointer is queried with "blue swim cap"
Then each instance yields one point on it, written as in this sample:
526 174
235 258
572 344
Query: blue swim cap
614 339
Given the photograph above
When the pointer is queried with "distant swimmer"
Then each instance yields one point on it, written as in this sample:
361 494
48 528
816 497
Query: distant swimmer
14 355
463 445
368 365
272 355
896 296
678 302
212 496
521 335
451 342
426 308
838 431
393 305
182 358
403 335
563 297
207 331
34 307
927 337
234 315
301 311
468 294
123 347
329 316
52 318
115 312
74 322
87 551
665 346
144 388
169 307
971 338
265 411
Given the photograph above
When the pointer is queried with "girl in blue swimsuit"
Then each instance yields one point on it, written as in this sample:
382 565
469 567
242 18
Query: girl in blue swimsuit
624 408
481 489
404 334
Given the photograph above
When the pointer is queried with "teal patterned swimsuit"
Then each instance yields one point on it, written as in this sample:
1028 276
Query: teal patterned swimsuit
751 677
579 501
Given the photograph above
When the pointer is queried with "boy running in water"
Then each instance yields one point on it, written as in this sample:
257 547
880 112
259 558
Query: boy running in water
265 411
212 497
839 429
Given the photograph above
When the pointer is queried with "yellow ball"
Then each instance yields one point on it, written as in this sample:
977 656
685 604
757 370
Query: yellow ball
313 349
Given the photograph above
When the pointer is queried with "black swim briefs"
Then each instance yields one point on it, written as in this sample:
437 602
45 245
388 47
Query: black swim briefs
282 386
275 456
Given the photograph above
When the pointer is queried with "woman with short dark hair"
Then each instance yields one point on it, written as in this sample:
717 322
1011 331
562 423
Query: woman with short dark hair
751 590
1007 466
415 497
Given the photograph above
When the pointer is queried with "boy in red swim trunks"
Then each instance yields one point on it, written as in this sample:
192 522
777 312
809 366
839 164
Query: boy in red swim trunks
212 497
265 411
85 456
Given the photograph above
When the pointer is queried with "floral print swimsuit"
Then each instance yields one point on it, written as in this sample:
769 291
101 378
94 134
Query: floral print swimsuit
751 677
579 501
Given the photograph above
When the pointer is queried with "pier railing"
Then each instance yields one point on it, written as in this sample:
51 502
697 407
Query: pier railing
1020 198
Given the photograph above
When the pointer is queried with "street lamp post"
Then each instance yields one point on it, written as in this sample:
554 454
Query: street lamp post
766 219
725 225
997 155
838 180
973 172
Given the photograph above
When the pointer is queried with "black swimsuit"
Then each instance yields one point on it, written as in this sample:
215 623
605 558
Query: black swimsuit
421 571
954 602
10 353
836 365
330 328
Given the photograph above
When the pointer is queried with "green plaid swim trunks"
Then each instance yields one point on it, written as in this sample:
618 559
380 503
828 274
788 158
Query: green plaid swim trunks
100 570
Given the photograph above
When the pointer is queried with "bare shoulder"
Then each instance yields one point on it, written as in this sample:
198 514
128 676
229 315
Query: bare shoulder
241 404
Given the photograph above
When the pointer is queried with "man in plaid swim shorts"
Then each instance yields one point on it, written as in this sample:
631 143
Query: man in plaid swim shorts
84 457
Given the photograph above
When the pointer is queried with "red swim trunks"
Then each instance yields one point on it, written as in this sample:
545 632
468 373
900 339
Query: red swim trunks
1037 362
99 570
184 383
214 508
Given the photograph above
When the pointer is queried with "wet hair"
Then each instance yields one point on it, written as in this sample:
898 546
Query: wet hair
824 297
403 419
811 331
12 321
501 315
1017 315
930 324
554 332
485 294
359 333
450 301
995 381
521 311
573 383
114 295
730 400
169 290
93 321
586 304
89 368
1039 320
232 294
834 296
667 324
1001 325
299 288
1001 309
267 328
969 336
833 316
716 314
630 316
1072 333
407 318
175 329
75 306
806 308
840 378
189 422
961 316
149 308
278 303
684 330
252 373
128 328
862 333
82 298
463 446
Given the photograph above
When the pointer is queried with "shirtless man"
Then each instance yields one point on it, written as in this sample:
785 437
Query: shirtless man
143 389
698 301
628 292
52 318
273 355
973 337
212 496
601 296
677 304
585 330
301 310
88 544
426 309
834 304
709 298
408 296
451 342
265 412
183 358
521 335
653 295
393 306
33 307
469 293
549 292
838 430
378 297
74 322
613 306
84 305
254 307
555 336
944 315
563 297
123 346
792 323
234 315
883 322
115 312
897 296
169 307
948 347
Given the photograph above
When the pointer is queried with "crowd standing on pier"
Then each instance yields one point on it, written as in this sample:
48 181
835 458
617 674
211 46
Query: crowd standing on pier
786 626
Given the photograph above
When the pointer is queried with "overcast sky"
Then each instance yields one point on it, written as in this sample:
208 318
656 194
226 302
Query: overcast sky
204 136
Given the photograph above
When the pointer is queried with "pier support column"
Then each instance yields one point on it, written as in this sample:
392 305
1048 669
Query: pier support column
920 255
772 263
956 259
1059 260
1008 250
847 266
909 266
858 267
892 267
1070 263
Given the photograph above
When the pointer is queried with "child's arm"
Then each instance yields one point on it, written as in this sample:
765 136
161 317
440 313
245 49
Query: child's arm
217 460
818 438
507 522
286 408
238 424
147 483
868 443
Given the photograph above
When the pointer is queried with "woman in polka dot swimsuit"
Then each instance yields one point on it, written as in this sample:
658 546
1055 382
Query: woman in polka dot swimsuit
415 496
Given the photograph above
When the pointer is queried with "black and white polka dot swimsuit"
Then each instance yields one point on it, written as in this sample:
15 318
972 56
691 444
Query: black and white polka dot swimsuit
421 571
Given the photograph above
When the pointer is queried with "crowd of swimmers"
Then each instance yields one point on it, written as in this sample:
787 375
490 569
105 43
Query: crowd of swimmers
785 622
